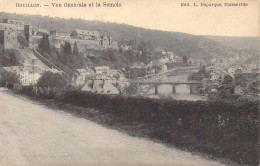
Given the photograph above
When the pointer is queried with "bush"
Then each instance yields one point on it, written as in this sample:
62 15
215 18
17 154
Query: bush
51 80
223 129
8 78
220 128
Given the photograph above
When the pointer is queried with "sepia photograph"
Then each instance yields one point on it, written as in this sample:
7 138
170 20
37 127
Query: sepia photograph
129 82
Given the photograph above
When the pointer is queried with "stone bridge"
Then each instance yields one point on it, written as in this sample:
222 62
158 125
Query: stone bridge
174 84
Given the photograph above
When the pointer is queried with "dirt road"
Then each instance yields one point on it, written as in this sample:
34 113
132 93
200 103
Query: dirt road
33 135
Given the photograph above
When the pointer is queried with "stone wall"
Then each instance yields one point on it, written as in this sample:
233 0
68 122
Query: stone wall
9 39
83 45
9 34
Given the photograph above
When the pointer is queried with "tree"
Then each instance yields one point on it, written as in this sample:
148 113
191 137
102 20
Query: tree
44 44
185 59
75 50
67 48
9 77
22 41
132 89
49 79
240 80
13 59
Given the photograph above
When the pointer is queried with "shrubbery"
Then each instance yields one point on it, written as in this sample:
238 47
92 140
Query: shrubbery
49 79
227 129
8 77
224 129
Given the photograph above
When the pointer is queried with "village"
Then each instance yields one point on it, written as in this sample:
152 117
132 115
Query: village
232 75
129 83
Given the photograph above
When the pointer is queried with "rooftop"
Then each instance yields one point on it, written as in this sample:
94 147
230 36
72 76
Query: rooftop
86 32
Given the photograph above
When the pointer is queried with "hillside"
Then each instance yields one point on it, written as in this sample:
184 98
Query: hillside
248 43
180 43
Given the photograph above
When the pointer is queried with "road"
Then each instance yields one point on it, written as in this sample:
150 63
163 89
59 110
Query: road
33 135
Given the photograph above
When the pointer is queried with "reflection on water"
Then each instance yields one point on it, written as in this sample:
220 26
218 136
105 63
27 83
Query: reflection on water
165 90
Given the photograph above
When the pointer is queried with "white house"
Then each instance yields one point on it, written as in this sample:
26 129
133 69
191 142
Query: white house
81 75
101 69
26 75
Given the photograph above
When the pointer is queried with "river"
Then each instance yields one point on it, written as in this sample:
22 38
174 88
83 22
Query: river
165 90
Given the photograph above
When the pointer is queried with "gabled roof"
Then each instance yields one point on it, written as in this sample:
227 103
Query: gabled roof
81 70
85 32
45 31
98 86
101 68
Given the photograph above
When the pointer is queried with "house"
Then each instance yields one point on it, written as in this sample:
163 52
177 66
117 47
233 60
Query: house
214 76
208 69
164 60
231 71
238 71
255 70
58 34
100 86
125 47
101 69
85 35
41 32
251 76
164 53
114 45
27 75
81 75
104 40
228 80
164 68
238 90
139 65
15 22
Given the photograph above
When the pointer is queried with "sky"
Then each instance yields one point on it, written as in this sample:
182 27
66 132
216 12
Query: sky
167 15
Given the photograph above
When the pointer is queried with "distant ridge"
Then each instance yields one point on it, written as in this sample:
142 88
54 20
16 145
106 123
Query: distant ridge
249 43
180 43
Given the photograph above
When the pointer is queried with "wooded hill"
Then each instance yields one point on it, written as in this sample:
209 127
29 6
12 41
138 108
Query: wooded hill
180 43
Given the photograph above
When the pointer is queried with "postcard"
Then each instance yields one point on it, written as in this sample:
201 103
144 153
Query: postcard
129 82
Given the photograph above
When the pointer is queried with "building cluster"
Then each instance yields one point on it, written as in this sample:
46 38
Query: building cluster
234 74
231 76
99 79
29 74
156 66
11 29
85 39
